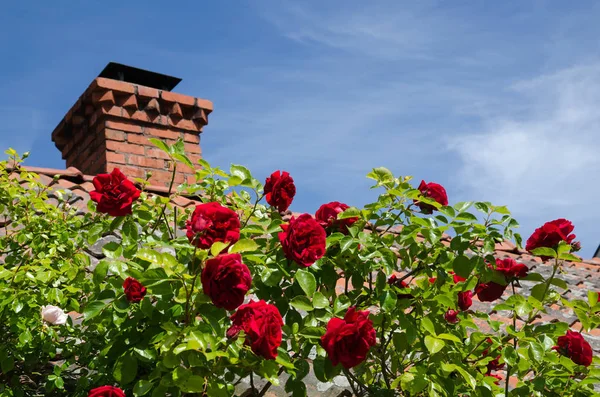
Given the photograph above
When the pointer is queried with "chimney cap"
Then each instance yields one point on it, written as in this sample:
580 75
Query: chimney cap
118 71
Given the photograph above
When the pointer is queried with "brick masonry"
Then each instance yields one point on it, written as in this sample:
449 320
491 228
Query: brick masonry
111 123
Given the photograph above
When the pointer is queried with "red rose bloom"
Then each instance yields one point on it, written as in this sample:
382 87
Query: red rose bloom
226 280
489 292
280 190
211 222
451 316
327 214
456 278
465 300
494 365
303 240
432 280
511 269
261 322
550 234
347 341
114 193
434 191
396 282
106 391
134 290
574 346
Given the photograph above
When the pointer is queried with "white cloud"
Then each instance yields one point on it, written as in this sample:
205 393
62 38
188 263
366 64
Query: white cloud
543 160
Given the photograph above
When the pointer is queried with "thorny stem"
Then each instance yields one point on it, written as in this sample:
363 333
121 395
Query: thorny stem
514 321
189 295
353 379
269 384
548 282
383 343
164 207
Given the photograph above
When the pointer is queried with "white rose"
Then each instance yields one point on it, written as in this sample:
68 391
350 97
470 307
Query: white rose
54 315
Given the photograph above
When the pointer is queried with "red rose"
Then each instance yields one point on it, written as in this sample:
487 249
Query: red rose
327 214
348 341
114 193
134 290
433 191
494 365
261 322
489 292
456 278
498 378
212 222
303 240
106 391
396 282
511 269
226 280
575 347
465 300
451 316
550 234
280 190
432 280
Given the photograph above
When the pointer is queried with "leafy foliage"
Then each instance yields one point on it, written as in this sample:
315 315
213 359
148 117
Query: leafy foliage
173 342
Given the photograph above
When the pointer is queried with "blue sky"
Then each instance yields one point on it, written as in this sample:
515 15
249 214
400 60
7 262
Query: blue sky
497 101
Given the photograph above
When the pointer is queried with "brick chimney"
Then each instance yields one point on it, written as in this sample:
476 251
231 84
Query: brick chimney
109 125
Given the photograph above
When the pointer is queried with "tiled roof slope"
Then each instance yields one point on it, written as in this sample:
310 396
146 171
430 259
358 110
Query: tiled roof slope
580 277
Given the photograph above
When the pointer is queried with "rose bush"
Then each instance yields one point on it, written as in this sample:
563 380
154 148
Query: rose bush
378 297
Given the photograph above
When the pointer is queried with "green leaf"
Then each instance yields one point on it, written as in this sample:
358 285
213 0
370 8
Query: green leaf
451 337
243 245
433 344
544 251
301 303
100 272
341 303
536 352
217 247
240 171
468 377
592 298
112 250
161 145
178 147
307 281
559 283
569 257
427 325
462 266
184 159
510 356
351 212
142 387
192 384
125 369
463 205
92 309
538 290
130 231
149 255
324 370
533 277
320 301
381 174
388 301
466 216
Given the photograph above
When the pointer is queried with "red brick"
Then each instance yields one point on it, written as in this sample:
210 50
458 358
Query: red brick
159 133
161 178
145 162
157 153
115 135
204 104
191 138
138 139
116 85
124 147
184 124
141 116
130 172
194 158
176 97
147 91
113 157
191 148
124 126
